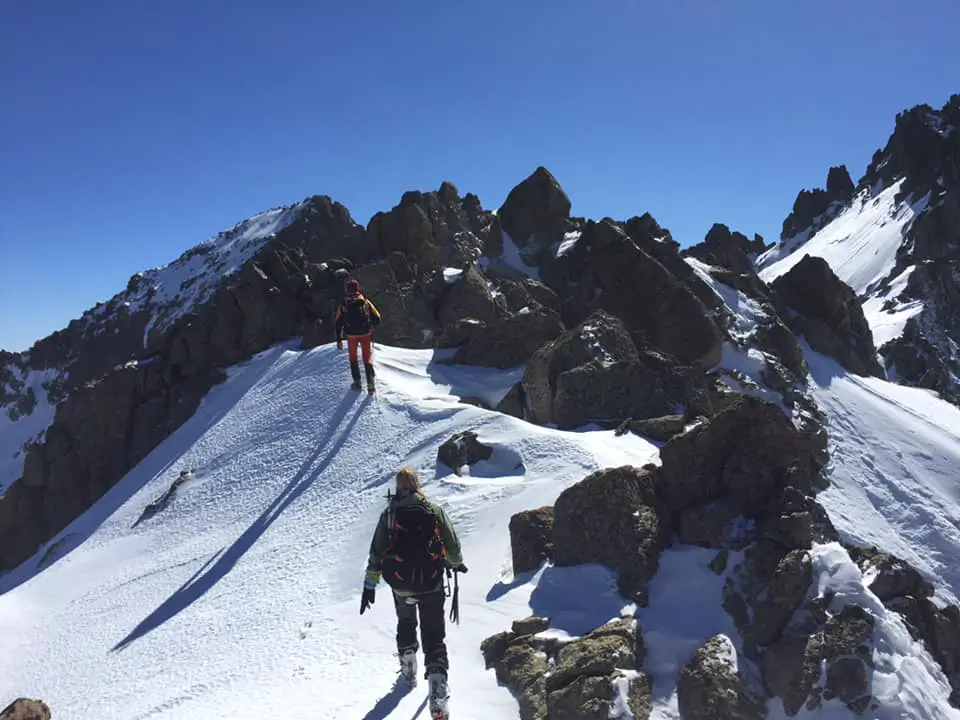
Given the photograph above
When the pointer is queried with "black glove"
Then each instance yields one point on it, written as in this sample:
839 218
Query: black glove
461 568
369 597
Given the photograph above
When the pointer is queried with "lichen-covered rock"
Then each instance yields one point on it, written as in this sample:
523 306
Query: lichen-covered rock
531 539
530 625
609 518
710 686
25 709
598 654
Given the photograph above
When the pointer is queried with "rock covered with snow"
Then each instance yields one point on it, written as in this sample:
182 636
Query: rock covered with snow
462 449
828 315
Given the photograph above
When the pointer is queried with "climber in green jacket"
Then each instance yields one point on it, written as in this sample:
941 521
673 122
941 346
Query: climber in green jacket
413 545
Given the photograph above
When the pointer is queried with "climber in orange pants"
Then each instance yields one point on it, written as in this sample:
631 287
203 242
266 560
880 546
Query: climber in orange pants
356 318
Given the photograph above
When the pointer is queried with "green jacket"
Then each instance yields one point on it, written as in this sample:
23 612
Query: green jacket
381 536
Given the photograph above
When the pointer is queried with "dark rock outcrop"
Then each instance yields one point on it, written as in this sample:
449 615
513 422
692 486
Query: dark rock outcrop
24 709
726 249
531 539
813 208
829 315
595 373
464 448
509 342
610 518
535 212
710 687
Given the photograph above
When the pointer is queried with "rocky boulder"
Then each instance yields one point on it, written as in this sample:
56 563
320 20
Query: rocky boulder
747 453
710 686
24 709
509 342
535 212
531 539
575 680
463 449
595 373
829 315
469 297
610 518
651 301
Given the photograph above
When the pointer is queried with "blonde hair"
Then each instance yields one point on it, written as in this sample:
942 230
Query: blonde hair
408 481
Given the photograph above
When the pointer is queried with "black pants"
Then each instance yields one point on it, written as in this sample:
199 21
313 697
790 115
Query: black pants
432 628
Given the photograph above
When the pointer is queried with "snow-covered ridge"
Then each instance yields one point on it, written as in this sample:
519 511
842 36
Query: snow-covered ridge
19 427
171 291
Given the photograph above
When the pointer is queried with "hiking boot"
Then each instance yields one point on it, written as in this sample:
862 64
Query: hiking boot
356 385
408 667
439 695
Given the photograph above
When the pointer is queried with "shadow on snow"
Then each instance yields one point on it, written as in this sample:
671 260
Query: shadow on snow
224 561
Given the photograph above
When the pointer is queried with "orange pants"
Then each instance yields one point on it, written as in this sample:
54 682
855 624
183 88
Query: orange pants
366 346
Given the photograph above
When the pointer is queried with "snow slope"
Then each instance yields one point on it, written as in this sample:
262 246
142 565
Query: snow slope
894 454
860 244
244 592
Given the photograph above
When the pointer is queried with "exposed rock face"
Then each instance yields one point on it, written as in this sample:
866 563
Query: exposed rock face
575 680
531 539
595 372
464 448
24 709
830 317
469 297
535 212
925 355
627 282
433 229
731 250
842 644
746 454
710 687
816 207
610 518
511 341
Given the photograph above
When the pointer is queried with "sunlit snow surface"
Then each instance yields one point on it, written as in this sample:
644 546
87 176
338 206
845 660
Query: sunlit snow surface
243 593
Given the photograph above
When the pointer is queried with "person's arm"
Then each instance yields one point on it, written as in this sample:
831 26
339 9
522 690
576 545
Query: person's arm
375 318
448 535
377 546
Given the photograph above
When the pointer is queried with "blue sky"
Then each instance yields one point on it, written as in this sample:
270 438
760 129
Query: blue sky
130 131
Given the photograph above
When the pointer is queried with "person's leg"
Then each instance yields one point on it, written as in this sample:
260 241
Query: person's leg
406 624
352 345
366 346
433 632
